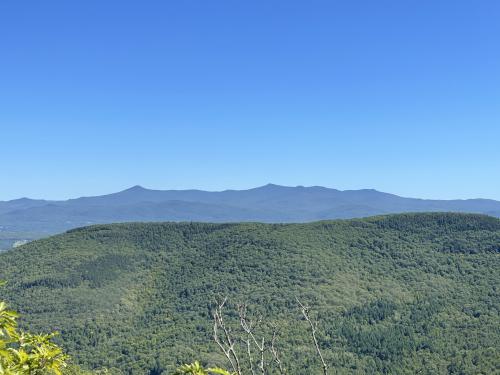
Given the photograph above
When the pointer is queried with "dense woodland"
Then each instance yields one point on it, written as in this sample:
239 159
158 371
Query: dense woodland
400 294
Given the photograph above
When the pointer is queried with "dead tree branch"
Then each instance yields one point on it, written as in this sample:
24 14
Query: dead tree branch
247 328
313 325
249 353
226 343
275 352
227 340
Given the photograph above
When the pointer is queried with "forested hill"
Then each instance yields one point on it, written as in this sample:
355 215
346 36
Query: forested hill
401 294
25 219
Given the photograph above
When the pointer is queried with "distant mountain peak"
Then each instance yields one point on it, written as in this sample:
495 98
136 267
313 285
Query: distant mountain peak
269 187
135 188
23 199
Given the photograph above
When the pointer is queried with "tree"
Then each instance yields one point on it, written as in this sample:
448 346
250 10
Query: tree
228 340
23 353
196 369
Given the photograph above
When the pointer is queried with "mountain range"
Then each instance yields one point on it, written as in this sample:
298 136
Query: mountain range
25 218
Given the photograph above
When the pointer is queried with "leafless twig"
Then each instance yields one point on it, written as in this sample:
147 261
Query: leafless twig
275 352
247 327
305 313
227 343
249 353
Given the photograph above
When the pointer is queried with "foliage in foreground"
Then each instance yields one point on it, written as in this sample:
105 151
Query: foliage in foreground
22 353
197 369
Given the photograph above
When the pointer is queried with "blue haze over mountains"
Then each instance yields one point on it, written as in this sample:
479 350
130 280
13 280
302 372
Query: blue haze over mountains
28 218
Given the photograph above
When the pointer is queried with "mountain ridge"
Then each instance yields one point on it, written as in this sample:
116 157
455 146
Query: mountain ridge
140 188
33 218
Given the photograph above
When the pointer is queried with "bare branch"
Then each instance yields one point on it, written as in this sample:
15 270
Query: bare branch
261 348
226 346
221 345
247 328
275 352
249 353
226 340
305 313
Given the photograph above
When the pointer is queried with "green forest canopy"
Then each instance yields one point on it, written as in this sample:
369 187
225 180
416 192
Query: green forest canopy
393 294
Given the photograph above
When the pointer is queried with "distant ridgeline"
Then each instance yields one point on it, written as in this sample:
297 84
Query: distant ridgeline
411 293
27 219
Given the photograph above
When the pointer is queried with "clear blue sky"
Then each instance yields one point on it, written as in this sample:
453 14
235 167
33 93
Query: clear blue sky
400 96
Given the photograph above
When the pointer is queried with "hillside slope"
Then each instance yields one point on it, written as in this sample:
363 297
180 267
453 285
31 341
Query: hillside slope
412 293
